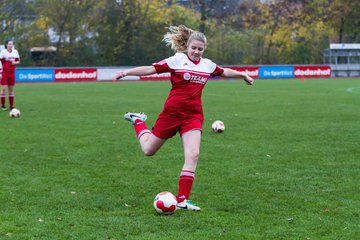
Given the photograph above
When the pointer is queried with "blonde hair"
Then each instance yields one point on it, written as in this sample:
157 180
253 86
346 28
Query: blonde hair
178 37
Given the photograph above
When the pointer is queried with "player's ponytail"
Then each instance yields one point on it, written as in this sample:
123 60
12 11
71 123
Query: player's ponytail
178 37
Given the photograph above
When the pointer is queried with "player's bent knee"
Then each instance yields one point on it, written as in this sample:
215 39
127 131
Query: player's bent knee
148 152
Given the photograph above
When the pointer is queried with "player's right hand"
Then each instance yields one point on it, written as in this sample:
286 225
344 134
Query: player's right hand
120 75
249 80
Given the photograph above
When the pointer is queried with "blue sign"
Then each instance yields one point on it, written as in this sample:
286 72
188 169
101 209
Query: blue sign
276 72
34 75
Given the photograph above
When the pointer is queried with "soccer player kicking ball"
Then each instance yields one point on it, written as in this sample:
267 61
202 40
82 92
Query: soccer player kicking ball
182 110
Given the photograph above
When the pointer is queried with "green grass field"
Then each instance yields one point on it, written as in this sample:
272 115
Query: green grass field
286 167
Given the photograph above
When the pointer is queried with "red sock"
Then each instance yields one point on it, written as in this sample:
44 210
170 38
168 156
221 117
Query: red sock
3 100
11 100
185 184
140 128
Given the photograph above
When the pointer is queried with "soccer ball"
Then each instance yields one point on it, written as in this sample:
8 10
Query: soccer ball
165 203
14 113
218 126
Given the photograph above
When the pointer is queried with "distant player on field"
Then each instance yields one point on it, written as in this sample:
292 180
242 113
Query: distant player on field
9 58
0 71
182 111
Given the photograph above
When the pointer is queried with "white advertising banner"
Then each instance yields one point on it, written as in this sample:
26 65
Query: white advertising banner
108 74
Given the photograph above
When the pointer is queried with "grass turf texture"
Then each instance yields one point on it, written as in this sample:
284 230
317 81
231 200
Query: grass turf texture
286 167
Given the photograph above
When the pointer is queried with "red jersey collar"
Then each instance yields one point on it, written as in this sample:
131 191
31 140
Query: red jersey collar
195 62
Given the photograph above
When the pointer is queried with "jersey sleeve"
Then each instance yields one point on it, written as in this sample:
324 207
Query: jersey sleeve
217 72
0 67
166 65
17 56
161 67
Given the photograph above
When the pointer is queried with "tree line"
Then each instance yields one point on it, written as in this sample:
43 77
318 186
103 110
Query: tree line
129 32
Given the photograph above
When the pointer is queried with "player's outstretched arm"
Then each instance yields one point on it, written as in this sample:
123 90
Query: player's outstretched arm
228 72
138 71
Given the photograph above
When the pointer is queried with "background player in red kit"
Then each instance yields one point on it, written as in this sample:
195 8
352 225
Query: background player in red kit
9 58
0 71
182 110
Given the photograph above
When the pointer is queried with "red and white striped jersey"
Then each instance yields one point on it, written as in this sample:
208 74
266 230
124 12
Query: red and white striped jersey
7 58
188 79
